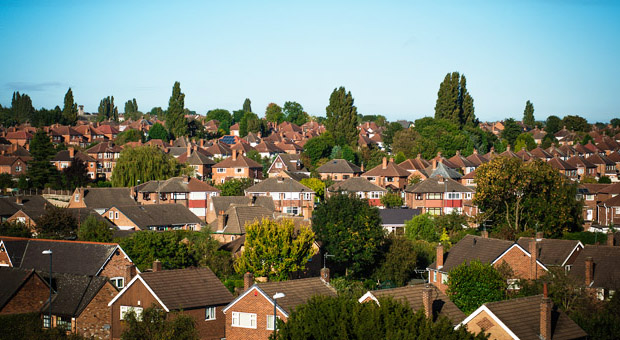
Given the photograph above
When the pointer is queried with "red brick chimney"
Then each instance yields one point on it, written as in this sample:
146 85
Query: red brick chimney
189 150
71 152
362 167
18 200
533 257
539 236
485 234
384 163
427 301
325 275
434 164
589 270
475 151
439 260
248 281
391 159
157 266
130 272
610 238
234 155
545 315
221 217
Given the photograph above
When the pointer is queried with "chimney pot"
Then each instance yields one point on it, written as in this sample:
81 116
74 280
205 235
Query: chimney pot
439 260
248 281
325 275
220 220
71 152
545 318
157 267
589 264
485 234
384 163
234 155
539 236
610 238
427 301
18 200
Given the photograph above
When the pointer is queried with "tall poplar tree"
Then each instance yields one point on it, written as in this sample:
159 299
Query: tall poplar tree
21 107
107 109
175 118
454 101
528 114
342 117
247 105
69 110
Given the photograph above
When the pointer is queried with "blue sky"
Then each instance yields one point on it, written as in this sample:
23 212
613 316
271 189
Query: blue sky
560 54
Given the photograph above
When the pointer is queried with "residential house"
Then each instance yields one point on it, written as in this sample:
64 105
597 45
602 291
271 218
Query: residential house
230 223
159 217
464 165
608 211
564 168
199 160
393 220
21 138
439 196
21 290
196 292
528 318
428 298
289 165
106 154
251 315
416 166
237 167
65 158
220 204
101 199
268 149
289 196
361 187
14 165
388 175
596 267
234 130
23 209
605 166
584 167
338 170
553 252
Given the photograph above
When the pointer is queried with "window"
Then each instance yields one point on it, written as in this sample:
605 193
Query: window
77 197
375 194
210 313
513 284
434 276
46 321
111 215
18 168
589 215
116 215
291 210
270 325
444 278
433 196
238 170
371 179
245 320
278 165
119 282
63 323
345 176
221 170
454 195
307 196
127 309
617 211
589 197
390 179
433 211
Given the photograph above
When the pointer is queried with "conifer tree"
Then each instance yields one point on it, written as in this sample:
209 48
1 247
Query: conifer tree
69 110
342 117
107 109
247 105
454 101
175 118
528 114
21 107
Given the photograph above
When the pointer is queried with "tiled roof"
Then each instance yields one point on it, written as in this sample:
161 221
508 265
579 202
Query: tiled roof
443 170
397 216
154 215
355 184
471 248
297 291
558 163
551 252
391 170
222 203
412 295
418 163
339 166
178 185
606 270
461 161
100 198
187 288
73 292
278 184
598 159
578 161
240 161
437 184
236 217
11 279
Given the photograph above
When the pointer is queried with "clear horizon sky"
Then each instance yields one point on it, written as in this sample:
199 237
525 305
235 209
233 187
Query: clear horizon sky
563 55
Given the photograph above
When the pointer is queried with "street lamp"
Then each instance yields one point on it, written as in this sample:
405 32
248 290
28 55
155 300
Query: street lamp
275 306
49 252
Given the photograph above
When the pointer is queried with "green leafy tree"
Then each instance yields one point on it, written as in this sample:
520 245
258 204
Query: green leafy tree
398 265
316 185
404 142
158 131
237 116
129 135
511 131
615 122
144 163
156 324
525 140
107 109
342 117
604 180
326 318
319 147
392 200
528 114
454 102
131 110
548 140
14 229
235 187
350 230
56 223
157 112
75 175
453 222
295 113
94 230
40 170
21 109
576 123
421 227
471 285
553 124
273 113
275 249
6 181
247 105
69 110
223 116
388 134
175 116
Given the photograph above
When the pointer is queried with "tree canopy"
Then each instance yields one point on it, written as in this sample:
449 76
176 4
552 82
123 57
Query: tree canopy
155 324
273 113
553 124
295 113
107 109
454 102
223 116
528 114
94 230
56 223
144 163
158 131
247 105
342 117
175 116
471 285
511 131
235 186
69 110
40 170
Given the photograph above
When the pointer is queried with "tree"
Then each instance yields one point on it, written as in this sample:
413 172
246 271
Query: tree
14 229
75 175
235 186
56 223
175 117
404 141
454 102
274 249
295 113
421 227
273 113
350 230
129 135
553 124
604 180
525 140
144 163
388 135
158 131
155 324
615 122
471 285
528 114
548 140
342 117
399 262
131 110
511 131
576 123
520 196
247 105
69 110
391 200
157 112
326 318
107 110
21 109
6 181
223 116
319 147
94 230
249 123
40 170
316 185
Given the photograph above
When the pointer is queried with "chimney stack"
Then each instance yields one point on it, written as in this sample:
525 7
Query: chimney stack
545 316
325 275
539 236
485 234
391 159
427 301
130 272
234 155
362 167
533 257
589 270
71 152
248 281
439 260
202 143
189 150
220 220
384 163
157 266
610 238
434 164
19 200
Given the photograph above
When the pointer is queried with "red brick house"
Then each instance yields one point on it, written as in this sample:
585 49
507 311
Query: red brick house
289 196
158 217
236 167
106 154
14 165
196 292
360 187
439 196
388 175
339 170
21 290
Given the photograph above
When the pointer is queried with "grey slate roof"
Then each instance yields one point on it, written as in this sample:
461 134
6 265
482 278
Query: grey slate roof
438 184
339 166
471 248
444 171
73 292
355 184
33 206
297 291
606 270
104 198
278 184
222 203
551 252
397 216
176 184
187 288
154 215
236 217
11 279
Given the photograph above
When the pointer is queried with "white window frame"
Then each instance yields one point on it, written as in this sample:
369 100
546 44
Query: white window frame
47 322
278 165
221 170
76 197
118 281
444 278
210 313
589 197
270 324
111 215
236 319
116 215
434 276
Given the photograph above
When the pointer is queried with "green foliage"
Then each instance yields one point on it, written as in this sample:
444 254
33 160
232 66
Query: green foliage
576 123
275 249
223 116
528 114
323 318
40 170
107 109
415 179
342 117
604 180
158 131
548 140
392 200
295 113
6 181
524 140
511 131
144 163
56 223
371 157
273 113
157 112
247 105
521 196
586 237
175 116
131 110
400 157
316 185
404 142
421 227
553 124
21 109
177 249
453 222
399 261
454 102
76 175
28 326
156 324
94 230
471 285
432 135
345 286
129 135
388 134
319 147
235 186
601 320
249 123
14 229
350 230
69 110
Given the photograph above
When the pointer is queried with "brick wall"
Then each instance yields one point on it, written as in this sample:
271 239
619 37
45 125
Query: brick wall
137 296
253 302
94 321
519 262
30 298
117 267
209 329
122 220
484 322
